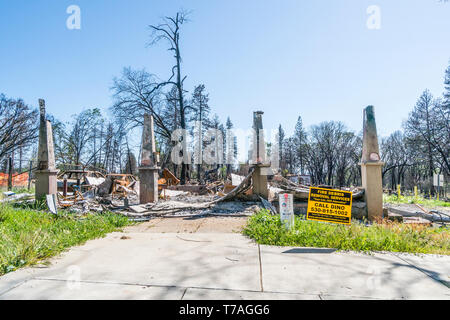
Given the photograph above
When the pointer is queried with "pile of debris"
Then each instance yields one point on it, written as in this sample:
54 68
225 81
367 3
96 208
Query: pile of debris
119 193
416 214
81 191
189 200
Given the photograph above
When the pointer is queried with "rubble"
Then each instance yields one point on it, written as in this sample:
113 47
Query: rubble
168 193
301 192
414 213
157 192
196 189
105 188
138 209
70 200
122 184
188 207
168 179
119 193
11 196
80 178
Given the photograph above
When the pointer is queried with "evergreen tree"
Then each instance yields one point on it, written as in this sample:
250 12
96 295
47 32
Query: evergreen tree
281 136
231 143
447 87
199 103
300 137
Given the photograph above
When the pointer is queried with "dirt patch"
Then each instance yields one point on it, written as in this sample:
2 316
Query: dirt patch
191 225
222 225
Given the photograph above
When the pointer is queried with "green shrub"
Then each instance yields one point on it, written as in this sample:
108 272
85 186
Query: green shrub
396 237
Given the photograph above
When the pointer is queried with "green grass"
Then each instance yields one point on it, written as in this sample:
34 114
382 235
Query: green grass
267 229
19 190
431 203
28 236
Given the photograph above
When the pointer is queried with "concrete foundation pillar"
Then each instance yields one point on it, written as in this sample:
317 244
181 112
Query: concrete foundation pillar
371 167
46 183
372 184
259 178
148 170
258 158
46 171
148 188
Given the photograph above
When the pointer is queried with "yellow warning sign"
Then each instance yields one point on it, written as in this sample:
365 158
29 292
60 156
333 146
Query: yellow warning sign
329 205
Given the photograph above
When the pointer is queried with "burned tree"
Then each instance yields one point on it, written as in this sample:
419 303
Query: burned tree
131 162
199 102
18 125
82 134
394 154
169 31
136 93
421 130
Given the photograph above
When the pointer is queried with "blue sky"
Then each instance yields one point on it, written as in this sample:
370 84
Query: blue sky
288 58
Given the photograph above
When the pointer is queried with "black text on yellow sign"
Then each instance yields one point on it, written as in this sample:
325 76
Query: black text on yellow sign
329 205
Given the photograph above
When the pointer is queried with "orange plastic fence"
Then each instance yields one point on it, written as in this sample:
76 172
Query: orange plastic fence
17 180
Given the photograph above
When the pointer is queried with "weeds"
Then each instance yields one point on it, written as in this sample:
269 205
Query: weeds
27 236
431 203
39 205
388 236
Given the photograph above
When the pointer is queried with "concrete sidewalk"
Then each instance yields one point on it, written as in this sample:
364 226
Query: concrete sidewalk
205 261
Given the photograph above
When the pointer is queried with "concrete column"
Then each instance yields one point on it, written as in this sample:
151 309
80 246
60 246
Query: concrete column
148 170
258 144
259 176
148 188
371 167
46 171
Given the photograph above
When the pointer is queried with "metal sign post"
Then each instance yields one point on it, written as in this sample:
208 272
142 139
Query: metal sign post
287 210
438 181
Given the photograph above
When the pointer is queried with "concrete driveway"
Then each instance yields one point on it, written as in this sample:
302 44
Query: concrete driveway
208 259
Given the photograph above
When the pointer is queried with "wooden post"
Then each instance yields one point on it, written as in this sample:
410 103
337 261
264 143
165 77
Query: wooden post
29 174
10 173
20 159
65 186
